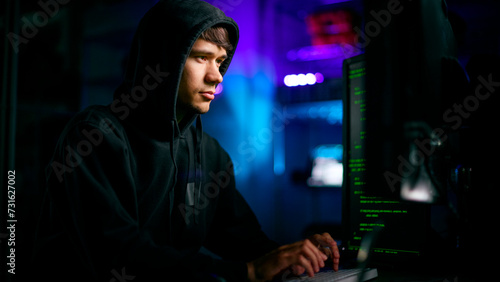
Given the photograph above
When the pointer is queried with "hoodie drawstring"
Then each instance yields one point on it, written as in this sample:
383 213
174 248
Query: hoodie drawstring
171 192
199 137
194 164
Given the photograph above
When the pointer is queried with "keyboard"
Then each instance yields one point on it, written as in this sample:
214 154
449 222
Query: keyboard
343 275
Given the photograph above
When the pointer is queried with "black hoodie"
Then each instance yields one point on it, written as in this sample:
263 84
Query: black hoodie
131 194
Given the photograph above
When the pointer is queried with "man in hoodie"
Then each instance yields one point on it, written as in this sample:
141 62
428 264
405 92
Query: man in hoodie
135 189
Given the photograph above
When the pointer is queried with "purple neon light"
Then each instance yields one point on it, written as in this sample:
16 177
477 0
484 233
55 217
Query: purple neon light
218 89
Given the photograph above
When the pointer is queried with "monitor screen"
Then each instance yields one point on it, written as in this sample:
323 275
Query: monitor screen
396 159
401 224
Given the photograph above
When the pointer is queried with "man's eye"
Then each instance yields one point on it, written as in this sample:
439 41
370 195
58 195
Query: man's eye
201 58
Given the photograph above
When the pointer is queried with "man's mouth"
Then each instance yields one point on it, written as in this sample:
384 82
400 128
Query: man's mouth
210 95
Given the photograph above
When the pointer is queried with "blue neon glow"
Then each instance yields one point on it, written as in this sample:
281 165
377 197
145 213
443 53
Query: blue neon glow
331 111
279 152
333 151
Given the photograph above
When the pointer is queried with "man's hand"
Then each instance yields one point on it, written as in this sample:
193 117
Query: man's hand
308 256
328 246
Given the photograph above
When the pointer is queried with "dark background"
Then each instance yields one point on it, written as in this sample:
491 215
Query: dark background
76 59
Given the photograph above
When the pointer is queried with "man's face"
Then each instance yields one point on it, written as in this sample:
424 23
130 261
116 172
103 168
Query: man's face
200 77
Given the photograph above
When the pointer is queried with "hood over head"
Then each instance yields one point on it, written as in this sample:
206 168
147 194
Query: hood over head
163 40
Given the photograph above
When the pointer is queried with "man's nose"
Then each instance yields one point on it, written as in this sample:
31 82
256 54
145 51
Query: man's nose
213 75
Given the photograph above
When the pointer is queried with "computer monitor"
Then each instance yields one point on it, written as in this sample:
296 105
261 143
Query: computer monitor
402 225
396 156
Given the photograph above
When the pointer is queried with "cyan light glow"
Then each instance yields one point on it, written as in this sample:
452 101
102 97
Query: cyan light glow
331 111
333 151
